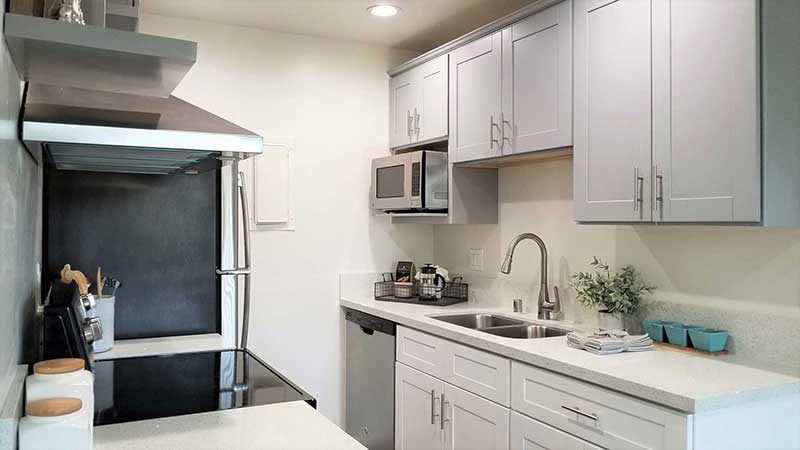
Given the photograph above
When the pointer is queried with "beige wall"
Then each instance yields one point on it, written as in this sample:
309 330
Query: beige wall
740 277
331 98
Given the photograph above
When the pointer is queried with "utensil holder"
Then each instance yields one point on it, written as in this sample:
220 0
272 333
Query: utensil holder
105 312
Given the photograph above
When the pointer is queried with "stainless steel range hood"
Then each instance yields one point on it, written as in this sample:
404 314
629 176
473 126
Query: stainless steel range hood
80 129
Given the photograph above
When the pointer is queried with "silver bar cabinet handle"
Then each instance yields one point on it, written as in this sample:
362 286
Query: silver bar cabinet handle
659 203
577 411
640 197
635 189
433 407
416 122
441 412
503 123
409 119
492 140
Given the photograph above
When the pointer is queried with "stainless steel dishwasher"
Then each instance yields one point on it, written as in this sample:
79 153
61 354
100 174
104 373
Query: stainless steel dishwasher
369 391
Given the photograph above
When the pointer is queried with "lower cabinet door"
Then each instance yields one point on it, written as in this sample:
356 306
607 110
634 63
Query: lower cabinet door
530 434
417 406
473 423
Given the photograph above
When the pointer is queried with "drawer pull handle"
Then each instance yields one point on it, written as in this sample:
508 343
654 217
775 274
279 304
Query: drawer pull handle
433 407
577 411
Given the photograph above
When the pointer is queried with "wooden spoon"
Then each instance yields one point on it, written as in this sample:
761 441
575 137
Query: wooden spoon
99 284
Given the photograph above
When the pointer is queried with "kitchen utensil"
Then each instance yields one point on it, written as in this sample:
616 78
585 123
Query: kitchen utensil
109 282
99 283
431 283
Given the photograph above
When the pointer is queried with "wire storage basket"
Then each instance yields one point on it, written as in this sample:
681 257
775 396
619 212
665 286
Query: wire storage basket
388 290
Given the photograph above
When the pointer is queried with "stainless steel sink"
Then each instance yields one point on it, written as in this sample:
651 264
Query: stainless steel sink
526 331
502 326
478 321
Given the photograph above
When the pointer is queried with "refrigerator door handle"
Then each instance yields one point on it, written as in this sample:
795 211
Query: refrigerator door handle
243 271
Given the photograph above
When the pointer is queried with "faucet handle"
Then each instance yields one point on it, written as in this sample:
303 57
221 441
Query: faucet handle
557 300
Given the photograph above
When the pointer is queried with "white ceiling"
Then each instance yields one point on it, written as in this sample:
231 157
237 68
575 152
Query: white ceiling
422 24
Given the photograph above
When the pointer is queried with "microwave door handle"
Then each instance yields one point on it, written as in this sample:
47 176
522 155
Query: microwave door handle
243 271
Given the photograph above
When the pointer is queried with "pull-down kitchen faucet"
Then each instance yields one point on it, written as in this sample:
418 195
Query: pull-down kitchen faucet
547 309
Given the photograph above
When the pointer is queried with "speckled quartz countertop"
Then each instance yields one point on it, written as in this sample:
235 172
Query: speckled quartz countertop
281 426
670 378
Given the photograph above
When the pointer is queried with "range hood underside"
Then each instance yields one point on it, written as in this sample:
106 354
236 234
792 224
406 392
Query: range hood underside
76 129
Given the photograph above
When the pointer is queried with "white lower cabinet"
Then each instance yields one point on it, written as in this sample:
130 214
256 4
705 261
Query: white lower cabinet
529 434
417 403
433 415
473 423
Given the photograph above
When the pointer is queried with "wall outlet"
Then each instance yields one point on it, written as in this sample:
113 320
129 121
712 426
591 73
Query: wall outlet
476 259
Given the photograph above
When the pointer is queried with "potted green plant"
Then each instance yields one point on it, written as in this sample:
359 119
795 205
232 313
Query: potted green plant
615 294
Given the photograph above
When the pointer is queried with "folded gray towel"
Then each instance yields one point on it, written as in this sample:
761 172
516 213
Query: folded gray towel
609 342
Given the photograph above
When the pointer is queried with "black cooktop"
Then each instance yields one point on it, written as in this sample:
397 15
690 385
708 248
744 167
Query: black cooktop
150 387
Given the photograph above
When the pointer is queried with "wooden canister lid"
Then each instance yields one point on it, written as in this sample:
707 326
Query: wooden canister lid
58 366
53 407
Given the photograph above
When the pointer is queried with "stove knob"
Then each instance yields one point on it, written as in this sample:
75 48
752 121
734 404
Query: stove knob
87 301
92 330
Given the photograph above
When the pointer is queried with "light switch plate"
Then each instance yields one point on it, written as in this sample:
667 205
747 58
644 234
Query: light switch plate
476 259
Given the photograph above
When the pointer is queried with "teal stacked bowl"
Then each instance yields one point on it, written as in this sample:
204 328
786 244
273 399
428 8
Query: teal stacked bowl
708 339
678 333
655 328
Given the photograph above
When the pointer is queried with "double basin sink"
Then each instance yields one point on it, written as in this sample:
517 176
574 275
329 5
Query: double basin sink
502 326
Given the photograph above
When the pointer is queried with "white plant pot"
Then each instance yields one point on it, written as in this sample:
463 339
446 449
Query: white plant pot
609 321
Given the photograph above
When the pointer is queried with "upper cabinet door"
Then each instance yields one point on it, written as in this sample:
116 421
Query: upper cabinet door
473 423
706 138
612 126
432 77
475 100
417 406
537 81
402 101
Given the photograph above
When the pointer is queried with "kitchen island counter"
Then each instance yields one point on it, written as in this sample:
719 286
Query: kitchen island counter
284 426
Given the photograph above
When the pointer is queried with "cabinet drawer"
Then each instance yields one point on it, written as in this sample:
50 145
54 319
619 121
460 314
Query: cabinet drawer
598 415
529 434
477 371
421 351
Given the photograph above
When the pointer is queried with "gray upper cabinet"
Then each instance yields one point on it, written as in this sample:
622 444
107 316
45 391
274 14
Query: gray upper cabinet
402 101
433 100
475 100
418 104
537 81
612 122
692 153
706 124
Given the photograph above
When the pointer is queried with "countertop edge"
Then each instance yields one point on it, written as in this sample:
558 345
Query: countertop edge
681 403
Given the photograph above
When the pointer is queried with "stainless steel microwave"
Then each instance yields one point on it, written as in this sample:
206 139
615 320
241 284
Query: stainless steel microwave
410 182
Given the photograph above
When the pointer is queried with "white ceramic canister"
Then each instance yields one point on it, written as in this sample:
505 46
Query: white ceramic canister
64 377
104 309
59 423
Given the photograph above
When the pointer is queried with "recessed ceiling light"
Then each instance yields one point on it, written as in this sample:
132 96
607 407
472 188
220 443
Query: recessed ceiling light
383 10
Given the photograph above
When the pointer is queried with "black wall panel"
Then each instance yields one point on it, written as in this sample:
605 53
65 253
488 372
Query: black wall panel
159 235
